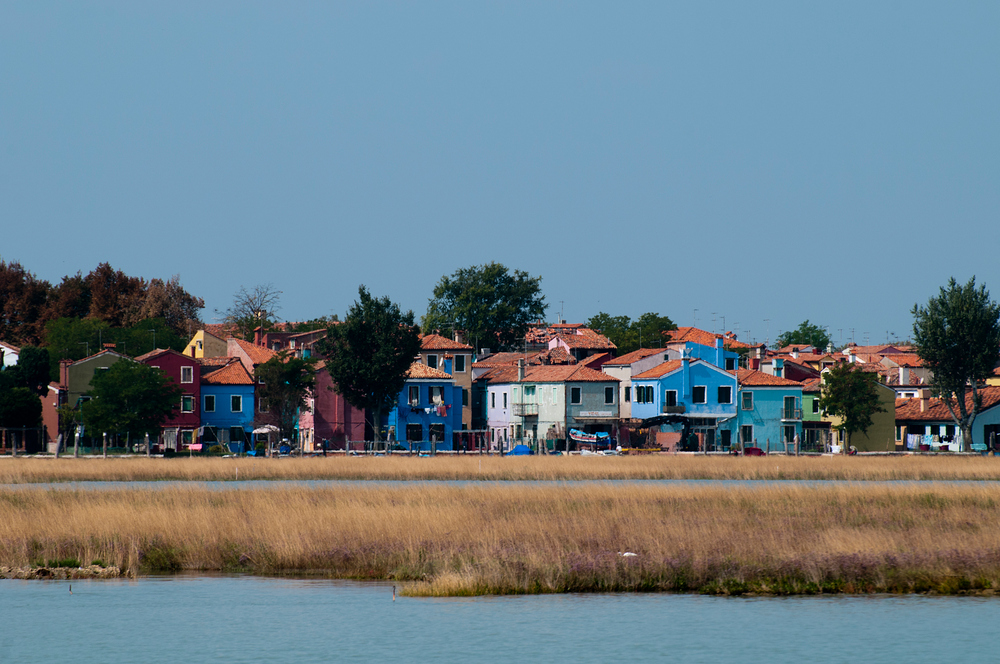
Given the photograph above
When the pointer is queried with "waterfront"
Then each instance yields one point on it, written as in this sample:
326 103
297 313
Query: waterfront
252 619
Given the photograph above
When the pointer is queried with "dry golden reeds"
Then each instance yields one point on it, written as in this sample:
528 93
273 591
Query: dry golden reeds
513 538
474 467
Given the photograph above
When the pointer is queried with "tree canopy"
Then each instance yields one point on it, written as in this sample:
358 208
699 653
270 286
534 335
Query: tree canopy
21 385
805 333
493 305
370 353
852 395
130 397
284 384
253 308
646 331
957 335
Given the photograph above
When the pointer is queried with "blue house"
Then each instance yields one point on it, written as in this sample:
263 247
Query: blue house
428 410
688 396
715 354
227 404
769 411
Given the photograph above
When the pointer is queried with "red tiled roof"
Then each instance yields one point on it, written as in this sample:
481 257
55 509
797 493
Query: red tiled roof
698 336
151 354
504 359
220 330
661 370
909 409
811 385
421 370
884 349
207 362
557 355
551 374
634 356
437 342
595 361
257 354
911 360
233 373
586 338
753 378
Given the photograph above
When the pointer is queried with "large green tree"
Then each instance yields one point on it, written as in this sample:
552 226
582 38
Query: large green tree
130 397
628 335
284 384
370 353
493 305
852 395
957 335
805 333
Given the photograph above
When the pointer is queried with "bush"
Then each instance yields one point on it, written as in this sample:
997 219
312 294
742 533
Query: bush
217 450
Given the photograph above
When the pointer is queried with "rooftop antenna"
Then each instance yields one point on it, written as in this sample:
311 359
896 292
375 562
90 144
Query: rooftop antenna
713 322
852 335
562 308
767 339
695 324
723 324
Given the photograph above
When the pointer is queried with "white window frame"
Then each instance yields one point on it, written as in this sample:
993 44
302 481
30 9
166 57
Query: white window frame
704 393
434 364
730 388
579 394
666 399
743 400
190 399
413 390
454 364
609 391
232 400
189 373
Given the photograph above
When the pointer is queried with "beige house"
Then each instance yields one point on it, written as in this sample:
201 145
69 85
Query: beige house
205 344
881 435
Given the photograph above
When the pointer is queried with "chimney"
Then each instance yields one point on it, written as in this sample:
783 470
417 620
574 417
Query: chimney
904 375
520 370
720 353
686 375
778 367
924 396
795 353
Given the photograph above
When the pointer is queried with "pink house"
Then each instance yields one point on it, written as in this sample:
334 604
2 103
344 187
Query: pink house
329 417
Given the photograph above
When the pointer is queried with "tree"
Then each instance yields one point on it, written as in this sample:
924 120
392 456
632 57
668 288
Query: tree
805 333
492 305
167 300
851 394
130 397
284 384
369 354
957 335
252 309
22 302
32 370
628 335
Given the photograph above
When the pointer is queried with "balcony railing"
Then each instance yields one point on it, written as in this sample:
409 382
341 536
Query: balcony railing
525 409
676 409
792 414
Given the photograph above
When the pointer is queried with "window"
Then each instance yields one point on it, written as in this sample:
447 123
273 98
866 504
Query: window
414 432
609 395
199 344
574 395
414 396
555 395
628 394
730 364
504 399
747 400
209 403
437 395
493 399
432 361
436 433
529 394
187 374
669 397
465 397
698 394
187 404
815 406
790 409
746 434
949 431
187 437
789 433
899 432
236 403
460 364
725 393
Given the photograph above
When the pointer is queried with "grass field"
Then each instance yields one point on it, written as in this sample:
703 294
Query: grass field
516 538
474 467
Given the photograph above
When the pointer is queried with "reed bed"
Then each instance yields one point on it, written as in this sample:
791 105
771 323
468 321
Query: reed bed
497 538
474 467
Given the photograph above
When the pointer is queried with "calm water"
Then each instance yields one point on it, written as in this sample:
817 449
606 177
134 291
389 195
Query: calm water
247 619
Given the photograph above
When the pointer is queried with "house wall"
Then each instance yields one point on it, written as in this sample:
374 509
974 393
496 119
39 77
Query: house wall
767 415
203 344
332 418
881 436
550 400
463 379
624 375
77 376
171 363
699 373
223 417
592 401
403 414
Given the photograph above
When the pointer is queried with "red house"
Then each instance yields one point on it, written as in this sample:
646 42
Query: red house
181 429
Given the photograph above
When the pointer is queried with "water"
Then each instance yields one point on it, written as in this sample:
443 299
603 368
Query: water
248 619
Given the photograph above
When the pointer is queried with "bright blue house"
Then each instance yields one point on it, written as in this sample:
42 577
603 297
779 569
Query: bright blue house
769 412
227 405
716 354
688 396
428 410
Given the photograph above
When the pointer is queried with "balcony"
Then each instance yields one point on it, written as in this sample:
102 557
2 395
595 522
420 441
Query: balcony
526 410
791 414
676 409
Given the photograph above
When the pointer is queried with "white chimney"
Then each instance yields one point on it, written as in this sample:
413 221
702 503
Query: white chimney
520 370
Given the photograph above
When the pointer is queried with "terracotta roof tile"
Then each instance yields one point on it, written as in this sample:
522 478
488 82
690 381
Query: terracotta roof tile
233 373
661 370
587 339
551 374
504 359
753 378
257 354
438 342
698 336
421 370
634 356
220 330
811 385
909 409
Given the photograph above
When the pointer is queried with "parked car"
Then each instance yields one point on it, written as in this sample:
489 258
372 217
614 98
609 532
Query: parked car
753 451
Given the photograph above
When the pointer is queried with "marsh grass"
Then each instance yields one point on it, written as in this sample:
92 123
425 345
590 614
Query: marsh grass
493 538
475 467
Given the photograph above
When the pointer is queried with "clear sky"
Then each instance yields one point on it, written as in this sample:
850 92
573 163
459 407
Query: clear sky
764 162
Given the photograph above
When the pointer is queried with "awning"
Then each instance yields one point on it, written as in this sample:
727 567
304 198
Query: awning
267 428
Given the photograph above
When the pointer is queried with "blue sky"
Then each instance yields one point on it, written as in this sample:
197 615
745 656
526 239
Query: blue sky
764 162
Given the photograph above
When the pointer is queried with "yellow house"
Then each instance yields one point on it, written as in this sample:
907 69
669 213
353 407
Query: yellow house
881 435
204 344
